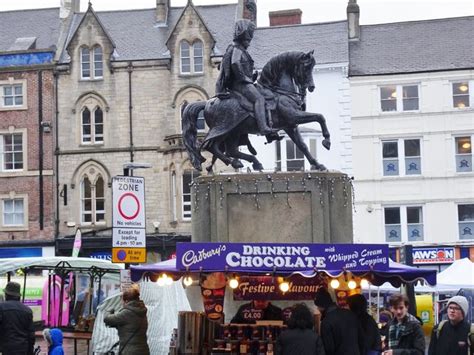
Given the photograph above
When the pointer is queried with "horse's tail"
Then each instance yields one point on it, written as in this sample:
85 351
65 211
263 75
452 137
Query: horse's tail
189 117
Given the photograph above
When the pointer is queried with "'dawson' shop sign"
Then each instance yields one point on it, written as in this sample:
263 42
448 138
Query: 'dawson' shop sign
282 257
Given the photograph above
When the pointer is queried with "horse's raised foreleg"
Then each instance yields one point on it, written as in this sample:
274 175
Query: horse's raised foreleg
295 136
232 150
307 117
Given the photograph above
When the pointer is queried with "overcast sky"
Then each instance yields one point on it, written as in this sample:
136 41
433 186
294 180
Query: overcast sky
371 11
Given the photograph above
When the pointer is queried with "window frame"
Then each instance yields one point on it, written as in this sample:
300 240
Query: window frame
13 152
192 57
281 153
17 227
93 135
399 98
94 211
184 214
463 224
401 157
470 94
467 157
404 226
13 83
92 62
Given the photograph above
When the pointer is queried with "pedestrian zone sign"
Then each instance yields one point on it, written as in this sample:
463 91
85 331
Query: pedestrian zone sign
128 220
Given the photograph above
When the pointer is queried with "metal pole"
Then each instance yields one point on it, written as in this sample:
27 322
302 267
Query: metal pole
61 294
24 285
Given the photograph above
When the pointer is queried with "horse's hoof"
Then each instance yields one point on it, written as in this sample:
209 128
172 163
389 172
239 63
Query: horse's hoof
327 143
318 167
237 164
257 166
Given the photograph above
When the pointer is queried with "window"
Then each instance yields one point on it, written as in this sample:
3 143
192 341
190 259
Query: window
92 63
295 159
173 194
399 98
463 154
466 221
188 178
13 212
461 96
191 57
403 224
92 126
92 201
12 95
11 149
401 152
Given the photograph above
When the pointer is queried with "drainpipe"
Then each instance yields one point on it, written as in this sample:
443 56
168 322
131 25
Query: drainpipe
40 149
130 109
56 154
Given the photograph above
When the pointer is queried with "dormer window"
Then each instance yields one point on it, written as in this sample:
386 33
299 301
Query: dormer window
191 57
92 63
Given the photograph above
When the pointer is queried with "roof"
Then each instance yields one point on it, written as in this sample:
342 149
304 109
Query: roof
137 36
44 24
417 46
328 39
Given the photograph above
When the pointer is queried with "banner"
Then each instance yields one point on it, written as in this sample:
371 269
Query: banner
266 288
242 257
213 293
437 255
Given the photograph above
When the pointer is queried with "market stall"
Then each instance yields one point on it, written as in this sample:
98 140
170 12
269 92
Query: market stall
271 272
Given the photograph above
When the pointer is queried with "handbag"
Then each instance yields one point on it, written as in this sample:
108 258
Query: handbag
112 352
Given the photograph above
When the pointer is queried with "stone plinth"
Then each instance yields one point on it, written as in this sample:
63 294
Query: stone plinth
299 207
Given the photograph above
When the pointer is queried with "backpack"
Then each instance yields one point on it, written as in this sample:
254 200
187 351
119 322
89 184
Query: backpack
470 335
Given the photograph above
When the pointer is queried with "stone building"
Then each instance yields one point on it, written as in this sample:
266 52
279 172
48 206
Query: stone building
413 126
122 78
27 49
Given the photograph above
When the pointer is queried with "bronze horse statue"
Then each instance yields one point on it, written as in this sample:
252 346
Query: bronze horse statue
283 82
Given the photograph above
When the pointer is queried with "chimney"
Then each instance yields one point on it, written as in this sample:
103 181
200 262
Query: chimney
69 8
162 8
247 9
285 17
353 14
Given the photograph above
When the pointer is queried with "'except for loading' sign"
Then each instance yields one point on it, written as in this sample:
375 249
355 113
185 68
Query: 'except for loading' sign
128 255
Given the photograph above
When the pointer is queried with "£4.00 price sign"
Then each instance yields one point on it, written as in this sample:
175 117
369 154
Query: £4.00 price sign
129 237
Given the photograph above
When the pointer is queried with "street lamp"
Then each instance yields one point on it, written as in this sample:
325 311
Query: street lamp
129 167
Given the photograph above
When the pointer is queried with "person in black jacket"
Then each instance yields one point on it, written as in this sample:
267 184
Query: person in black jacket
450 337
16 323
405 336
340 329
256 310
358 304
300 338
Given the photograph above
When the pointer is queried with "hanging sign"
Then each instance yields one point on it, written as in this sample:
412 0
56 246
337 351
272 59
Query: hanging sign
266 288
246 257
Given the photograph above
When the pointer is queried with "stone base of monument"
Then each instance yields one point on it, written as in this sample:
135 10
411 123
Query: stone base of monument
299 207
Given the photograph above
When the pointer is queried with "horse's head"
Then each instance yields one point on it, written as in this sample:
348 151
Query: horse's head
304 72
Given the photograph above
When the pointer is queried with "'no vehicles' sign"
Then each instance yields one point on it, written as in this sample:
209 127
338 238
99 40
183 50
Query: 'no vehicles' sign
129 237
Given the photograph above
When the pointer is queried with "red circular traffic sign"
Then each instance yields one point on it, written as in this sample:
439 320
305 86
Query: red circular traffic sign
132 215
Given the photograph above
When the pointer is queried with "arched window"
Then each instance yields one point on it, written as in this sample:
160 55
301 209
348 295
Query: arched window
173 195
92 66
92 200
188 178
192 57
92 126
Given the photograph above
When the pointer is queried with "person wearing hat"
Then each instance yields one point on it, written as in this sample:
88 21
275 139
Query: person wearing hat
340 330
16 323
451 337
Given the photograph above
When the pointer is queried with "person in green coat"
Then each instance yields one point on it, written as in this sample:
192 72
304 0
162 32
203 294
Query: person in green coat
131 323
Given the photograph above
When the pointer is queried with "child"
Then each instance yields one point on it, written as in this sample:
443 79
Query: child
54 338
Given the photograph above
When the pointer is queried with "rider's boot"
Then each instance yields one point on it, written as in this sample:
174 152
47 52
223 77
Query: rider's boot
261 119
274 136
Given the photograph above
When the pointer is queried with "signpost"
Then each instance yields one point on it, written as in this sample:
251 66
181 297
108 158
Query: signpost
129 237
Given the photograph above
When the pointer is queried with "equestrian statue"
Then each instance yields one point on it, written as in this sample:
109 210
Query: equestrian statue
241 107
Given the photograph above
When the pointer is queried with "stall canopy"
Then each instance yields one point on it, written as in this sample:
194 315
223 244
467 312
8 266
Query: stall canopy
396 274
459 274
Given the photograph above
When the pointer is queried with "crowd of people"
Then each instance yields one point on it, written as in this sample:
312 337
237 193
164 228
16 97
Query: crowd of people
342 331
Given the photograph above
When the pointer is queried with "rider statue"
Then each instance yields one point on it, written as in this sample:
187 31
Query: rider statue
237 74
